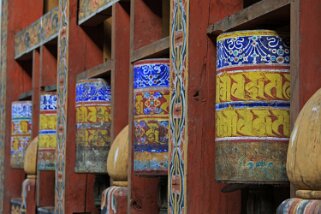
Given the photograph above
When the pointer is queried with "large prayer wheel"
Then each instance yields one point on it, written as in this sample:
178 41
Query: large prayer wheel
21 125
252 107
47 132
93 107
151 116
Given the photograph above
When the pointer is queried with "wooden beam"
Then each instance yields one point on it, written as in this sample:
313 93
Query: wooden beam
26 95
155 49
265 13
96 71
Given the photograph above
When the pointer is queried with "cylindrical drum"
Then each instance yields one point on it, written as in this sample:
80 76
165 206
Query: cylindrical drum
93 108
252 107
21 125
151 116
47 131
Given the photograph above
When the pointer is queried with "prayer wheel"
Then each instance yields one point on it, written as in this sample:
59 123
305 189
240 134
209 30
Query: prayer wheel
21 126
151 116
93 118
47 131
252 107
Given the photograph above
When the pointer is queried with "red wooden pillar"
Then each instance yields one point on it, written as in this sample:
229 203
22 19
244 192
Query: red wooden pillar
192 186
19 75
83 53
206 197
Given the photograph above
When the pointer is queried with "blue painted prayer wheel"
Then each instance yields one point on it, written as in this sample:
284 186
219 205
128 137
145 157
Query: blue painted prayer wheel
252 107
47 132
93 108
151 116
21 126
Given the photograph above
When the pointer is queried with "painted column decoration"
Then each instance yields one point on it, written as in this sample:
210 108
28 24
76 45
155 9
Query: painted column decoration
93 107
47 131
252 107
62 97
151 115
21 125
178 142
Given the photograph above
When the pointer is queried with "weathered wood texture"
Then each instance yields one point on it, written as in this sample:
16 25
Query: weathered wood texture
97 71
120 73
29 188
203 193
147 22
309 49
262 14
18 81
48 65
158 48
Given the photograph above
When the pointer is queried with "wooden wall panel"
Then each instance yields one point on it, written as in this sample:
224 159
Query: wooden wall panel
309 49
83 54
203 193
18 81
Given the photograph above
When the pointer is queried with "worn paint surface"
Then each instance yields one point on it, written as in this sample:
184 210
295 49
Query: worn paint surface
3 79
151 114
114 200
37 34
47 143
21 126
93 117
88 9
178 106
252 107
62 95
15 206
299 206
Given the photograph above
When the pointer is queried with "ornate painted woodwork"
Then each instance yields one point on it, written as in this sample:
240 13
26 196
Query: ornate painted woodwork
178 144
62 95
37 34
21 122
252 107
93 117
88 9
47 132
151 115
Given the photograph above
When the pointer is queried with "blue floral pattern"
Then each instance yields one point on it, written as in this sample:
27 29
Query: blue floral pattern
21 109
151 75
97 90
48 102
259 48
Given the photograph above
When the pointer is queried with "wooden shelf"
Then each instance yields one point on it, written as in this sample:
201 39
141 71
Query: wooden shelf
94 14
264 14
154 49
50 88
96 18
26 95
97 71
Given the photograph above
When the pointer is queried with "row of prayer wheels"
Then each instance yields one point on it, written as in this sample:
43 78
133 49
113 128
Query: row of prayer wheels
252 120
252 114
